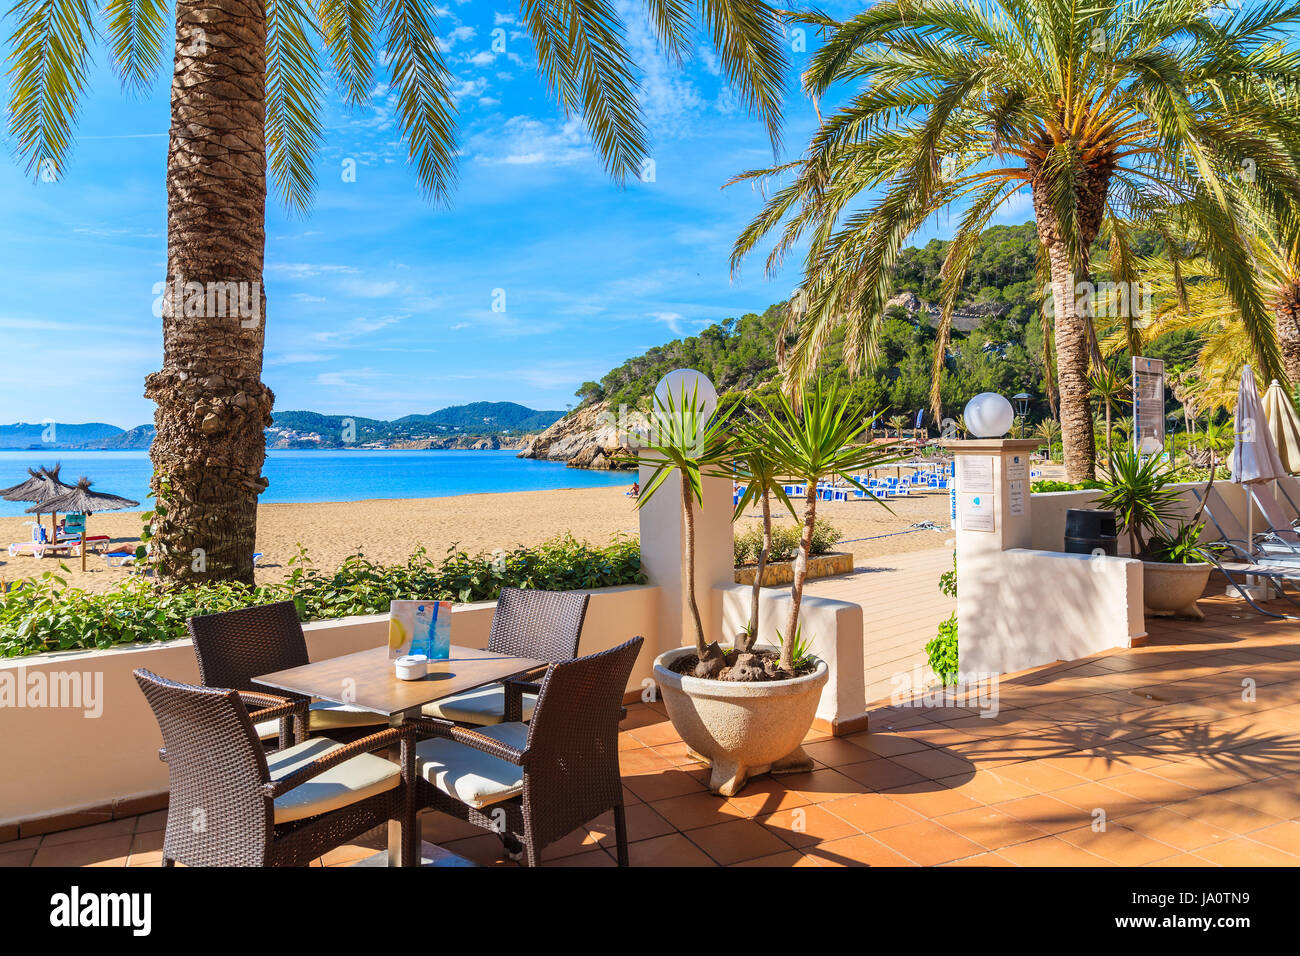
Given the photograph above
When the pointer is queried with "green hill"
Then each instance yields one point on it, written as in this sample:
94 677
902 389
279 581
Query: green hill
997 343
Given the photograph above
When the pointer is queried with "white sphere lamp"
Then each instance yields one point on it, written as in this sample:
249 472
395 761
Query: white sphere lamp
988 415
690 383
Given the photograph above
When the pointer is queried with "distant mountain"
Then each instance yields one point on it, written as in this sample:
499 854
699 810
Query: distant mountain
56 435
445 428
478 425
493 416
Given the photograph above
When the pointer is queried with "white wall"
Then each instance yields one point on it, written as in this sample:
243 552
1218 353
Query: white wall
57 760
1021 608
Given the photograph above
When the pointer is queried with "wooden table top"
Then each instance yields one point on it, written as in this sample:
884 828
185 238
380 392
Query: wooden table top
367 679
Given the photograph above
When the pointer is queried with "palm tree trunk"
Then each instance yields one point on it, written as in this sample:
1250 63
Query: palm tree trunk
745 646
1286 310
800 576
1072 358
688 516
212 405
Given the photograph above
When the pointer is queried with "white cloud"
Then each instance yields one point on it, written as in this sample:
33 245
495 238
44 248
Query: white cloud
671 319
524 141
457 35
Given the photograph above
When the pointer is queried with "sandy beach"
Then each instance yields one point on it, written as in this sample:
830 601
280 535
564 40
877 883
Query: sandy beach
388 530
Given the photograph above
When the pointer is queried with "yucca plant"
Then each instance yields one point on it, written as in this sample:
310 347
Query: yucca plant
811 440
756 468
1136 491
248 90
682 441
1102 113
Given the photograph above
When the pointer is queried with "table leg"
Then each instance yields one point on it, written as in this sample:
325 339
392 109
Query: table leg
395 826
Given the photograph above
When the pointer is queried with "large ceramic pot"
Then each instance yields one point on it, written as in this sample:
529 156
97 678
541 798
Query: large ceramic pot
741 729
1171 590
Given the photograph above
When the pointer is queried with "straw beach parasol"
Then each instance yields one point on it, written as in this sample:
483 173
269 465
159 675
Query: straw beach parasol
42 485
79 499
1283 426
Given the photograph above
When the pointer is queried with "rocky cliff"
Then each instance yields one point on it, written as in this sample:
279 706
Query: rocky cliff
588 437
462 442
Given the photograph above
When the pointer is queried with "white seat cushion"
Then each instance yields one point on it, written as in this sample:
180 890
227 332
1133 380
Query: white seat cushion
469 775
349 782
325 715
484 705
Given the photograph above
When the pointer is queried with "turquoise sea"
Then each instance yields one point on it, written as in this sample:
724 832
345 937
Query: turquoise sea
326 475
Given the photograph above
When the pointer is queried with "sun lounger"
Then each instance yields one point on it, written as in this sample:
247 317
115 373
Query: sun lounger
39 549
1233 535
1279 525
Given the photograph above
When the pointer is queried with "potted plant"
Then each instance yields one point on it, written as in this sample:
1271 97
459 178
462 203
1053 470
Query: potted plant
749 713
1174 569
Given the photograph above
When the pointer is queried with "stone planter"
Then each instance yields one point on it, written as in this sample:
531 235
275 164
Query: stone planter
741 729
1171 590
782 572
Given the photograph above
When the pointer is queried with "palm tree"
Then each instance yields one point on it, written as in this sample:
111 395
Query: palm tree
1049 433
247 94
898 423
1105 113
1109 386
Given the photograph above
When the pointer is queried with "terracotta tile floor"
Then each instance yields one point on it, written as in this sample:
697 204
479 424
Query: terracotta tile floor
1182 752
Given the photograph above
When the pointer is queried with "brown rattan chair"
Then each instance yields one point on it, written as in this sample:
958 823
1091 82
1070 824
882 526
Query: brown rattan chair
535 783
231 804
235 646
542 625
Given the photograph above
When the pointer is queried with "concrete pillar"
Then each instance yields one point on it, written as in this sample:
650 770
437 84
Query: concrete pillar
992 494
1016 607
663 539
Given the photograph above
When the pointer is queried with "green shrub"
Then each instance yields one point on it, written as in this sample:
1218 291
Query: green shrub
1049 484
785 542
45 614
942 648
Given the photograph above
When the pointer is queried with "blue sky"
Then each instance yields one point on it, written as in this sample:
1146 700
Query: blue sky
380 304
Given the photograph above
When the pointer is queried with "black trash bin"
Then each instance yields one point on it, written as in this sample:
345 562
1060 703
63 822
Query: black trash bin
1088 530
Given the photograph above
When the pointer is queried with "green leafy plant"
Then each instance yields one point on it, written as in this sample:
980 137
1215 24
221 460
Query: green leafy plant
1050 484
801 656
45 614
784 542
1182 546
941 650
1136 491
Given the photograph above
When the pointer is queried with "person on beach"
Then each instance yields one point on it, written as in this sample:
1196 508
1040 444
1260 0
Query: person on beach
634 491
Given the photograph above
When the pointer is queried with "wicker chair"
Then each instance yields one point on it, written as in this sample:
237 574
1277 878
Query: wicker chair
233 805
235 646
542 625
534 783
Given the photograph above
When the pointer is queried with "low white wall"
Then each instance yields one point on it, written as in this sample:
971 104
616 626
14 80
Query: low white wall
1047 516
1020 608
836 630
60 759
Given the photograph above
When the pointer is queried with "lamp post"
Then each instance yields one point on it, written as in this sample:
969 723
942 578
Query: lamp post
1022 400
